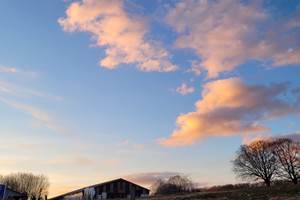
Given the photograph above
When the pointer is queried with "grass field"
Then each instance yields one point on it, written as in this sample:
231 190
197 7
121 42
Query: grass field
285 192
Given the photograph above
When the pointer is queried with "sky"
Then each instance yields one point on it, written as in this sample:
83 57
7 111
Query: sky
92 90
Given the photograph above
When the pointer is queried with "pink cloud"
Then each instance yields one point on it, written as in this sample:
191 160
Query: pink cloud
230 107
227 33
120 33
184 89
149 178
248 138
196 67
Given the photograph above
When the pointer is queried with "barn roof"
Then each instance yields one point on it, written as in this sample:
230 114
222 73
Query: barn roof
95 185
14 193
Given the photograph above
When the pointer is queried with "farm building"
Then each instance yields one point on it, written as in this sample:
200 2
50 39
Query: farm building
7 193
115 189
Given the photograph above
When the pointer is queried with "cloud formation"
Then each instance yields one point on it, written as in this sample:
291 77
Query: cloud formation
121 34
184 89
149 178
228 107
227 33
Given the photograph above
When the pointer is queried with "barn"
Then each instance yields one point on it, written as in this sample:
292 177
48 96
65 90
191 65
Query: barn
115 189
7 193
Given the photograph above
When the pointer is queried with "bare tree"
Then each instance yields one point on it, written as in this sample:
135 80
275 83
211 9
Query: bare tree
35 186
287 152
256 161
175 184
183 182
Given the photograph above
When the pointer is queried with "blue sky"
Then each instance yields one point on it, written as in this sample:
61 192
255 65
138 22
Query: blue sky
65 114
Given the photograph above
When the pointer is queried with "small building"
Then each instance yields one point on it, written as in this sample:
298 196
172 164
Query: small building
9 194
115 189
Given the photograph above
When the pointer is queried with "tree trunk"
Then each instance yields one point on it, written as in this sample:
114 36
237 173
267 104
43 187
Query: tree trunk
268 183
295 181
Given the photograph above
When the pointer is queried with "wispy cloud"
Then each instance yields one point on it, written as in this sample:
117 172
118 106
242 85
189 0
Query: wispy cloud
120 33
14 95
17 71
36 113
228 107
16 90
227 33
184 89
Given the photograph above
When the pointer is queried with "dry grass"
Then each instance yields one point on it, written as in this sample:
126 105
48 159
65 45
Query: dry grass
286 192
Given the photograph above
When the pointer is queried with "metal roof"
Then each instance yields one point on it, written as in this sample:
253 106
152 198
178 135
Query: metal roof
95 185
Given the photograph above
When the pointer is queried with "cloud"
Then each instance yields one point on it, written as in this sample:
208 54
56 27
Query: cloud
82 160
123 35
249 138
14 70
149 178
6 69
184 89
14 94
196 68
36 113
228 107
227 33
8 88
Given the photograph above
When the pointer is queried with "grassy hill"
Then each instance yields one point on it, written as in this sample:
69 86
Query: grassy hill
279 192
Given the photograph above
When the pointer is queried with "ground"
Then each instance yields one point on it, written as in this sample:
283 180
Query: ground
286 192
